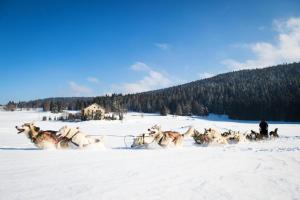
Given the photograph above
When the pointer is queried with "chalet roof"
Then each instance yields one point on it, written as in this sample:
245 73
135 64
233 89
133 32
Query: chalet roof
94 106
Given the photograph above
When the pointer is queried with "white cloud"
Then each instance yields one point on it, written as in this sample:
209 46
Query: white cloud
153 80
162 46
139 66
78 90
92 79
205 75
285 49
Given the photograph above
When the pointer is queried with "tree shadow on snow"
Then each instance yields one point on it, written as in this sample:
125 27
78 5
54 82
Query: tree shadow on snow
225 118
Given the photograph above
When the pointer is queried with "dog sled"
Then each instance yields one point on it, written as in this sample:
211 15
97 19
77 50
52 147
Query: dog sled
212 136
256 136
143 140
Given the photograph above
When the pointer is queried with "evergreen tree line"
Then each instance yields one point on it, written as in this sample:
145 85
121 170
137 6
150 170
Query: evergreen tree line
272 93
58 104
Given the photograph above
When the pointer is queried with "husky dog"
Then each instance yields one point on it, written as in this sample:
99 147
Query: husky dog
42 139
255 136
215 136
234 137
142 140
274 133
77 137
226 134
239 137
210 136
165 138
201 138
252 136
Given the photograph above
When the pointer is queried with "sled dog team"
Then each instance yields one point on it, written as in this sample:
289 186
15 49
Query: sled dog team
65 138
69 137
210 136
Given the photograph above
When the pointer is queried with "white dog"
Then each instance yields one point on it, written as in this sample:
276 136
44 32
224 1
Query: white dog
78 138
234 137
142 140
215 136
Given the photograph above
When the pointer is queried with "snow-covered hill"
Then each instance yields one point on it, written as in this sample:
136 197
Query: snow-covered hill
256 170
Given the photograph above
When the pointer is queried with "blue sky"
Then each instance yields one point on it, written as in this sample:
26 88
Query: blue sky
89 48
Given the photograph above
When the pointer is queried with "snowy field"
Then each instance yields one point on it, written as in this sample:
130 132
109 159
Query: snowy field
256 170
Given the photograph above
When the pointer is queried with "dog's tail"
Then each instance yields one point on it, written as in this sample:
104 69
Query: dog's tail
189 132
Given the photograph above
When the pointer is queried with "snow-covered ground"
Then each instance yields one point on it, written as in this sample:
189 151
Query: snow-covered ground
256 170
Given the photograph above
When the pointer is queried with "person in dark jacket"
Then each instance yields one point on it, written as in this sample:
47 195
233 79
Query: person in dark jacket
263 128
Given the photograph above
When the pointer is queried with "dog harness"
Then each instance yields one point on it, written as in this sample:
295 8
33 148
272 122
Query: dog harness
71 139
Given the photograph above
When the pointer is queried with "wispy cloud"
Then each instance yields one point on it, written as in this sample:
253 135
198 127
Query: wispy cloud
79 90
205 75
285 49
92 79
139 66
162 46
151 81
262 28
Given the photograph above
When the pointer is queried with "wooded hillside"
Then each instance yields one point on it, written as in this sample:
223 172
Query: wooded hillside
272 93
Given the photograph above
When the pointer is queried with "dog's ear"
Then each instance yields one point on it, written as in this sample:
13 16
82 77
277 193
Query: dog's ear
37 129
158 127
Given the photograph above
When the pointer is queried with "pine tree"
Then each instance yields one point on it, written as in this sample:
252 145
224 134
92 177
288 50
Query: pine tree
46 106
164 111
186 109
178 109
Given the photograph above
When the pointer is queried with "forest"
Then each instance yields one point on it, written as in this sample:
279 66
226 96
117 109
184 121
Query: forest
272 93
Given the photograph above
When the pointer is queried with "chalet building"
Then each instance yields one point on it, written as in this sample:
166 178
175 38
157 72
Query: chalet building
93 112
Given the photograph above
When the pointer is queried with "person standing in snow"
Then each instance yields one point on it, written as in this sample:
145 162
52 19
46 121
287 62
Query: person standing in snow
263 128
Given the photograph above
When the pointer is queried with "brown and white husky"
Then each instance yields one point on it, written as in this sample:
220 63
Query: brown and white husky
166 138
210 136
43 139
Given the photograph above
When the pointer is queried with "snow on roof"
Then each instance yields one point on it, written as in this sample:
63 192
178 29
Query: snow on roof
94 106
